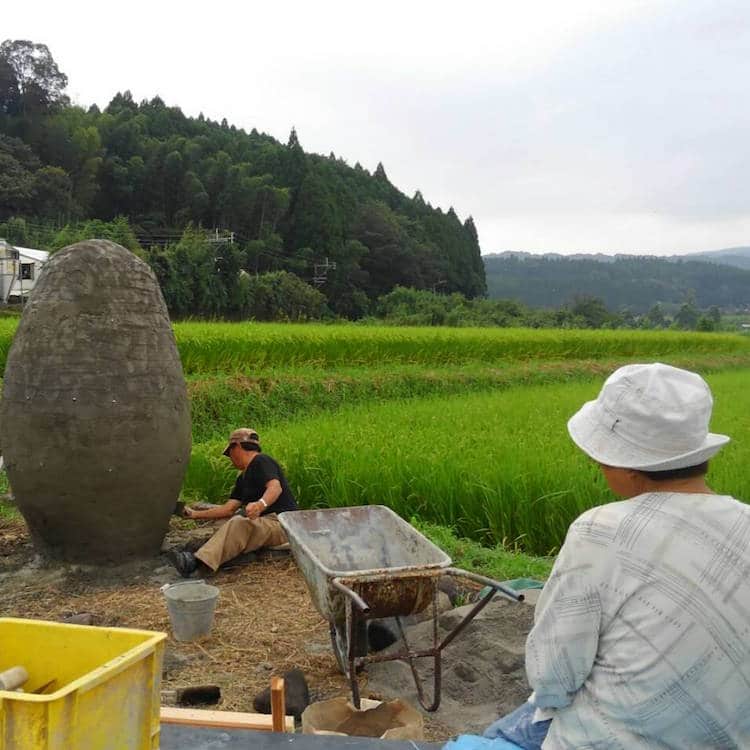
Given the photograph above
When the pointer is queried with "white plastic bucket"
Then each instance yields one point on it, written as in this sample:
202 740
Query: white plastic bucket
191 606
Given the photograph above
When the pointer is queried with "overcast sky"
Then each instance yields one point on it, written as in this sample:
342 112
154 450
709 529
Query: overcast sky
584 125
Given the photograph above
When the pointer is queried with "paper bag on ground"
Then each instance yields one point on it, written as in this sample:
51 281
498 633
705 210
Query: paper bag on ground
391 720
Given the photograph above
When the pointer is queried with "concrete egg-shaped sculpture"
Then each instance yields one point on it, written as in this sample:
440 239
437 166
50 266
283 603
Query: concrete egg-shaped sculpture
94 419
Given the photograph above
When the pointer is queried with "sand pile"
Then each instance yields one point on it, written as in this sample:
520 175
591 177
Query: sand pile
483 668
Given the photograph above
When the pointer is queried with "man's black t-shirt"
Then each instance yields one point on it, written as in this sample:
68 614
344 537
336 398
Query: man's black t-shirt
251 484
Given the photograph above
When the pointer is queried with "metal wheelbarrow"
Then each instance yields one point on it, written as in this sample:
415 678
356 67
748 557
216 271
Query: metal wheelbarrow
366 562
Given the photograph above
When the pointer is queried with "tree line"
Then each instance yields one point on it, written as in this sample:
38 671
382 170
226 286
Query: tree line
418 307
349 232
201 278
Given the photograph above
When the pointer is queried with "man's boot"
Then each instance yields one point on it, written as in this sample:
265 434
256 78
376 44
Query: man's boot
185 562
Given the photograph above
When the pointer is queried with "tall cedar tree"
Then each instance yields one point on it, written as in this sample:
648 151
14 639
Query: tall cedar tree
289 211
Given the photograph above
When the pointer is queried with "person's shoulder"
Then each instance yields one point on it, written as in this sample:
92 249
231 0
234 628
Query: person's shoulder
725 507
268 460
617 508
650 505
601 518
740 505
264 462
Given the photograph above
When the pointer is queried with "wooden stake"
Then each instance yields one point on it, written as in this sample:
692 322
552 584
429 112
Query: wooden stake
278 703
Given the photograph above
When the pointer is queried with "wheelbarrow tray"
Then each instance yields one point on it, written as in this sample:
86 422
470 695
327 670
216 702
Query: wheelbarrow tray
390 563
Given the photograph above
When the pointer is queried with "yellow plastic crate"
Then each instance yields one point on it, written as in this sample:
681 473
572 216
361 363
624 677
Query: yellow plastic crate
107 690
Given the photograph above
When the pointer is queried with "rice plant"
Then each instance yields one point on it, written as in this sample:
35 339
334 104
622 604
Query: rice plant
249 347
496 467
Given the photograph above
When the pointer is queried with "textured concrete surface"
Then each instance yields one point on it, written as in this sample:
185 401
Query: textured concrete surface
94 419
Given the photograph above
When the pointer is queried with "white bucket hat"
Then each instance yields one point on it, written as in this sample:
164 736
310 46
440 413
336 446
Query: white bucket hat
649 417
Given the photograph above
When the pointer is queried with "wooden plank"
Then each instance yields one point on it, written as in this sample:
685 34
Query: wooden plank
278 704
222 719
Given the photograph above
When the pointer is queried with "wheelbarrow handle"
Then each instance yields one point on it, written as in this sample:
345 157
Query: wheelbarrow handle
353 595
510 593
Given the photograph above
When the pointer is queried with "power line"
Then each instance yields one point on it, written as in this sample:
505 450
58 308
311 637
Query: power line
320 270
163 238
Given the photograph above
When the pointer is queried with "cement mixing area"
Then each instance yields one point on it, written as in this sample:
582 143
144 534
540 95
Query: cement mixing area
358 625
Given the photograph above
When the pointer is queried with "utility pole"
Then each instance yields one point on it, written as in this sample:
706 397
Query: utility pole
220 238
320 271
435 286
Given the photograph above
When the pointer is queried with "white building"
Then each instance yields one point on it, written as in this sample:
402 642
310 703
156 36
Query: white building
19 271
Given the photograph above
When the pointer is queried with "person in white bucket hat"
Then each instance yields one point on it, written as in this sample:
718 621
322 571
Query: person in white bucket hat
642 632
648 418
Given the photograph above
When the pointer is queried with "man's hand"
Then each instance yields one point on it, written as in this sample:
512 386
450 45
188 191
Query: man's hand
214 512
253 510
188 512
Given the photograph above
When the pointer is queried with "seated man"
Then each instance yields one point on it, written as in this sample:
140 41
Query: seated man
263 491
642 632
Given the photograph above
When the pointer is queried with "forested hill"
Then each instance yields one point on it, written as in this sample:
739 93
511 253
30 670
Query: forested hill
634 282
289 210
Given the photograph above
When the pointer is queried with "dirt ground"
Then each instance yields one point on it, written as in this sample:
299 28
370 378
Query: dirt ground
265 624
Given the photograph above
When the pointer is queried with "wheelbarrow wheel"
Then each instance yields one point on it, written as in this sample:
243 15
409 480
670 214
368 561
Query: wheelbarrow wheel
340 646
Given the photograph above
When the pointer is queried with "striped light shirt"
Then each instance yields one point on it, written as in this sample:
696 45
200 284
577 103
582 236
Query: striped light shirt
642 632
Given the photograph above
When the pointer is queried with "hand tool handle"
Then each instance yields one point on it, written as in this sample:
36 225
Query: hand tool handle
13 678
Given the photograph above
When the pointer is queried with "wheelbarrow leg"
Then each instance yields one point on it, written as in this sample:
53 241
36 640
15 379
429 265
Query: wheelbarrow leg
340 641
355 636
437 660
351 636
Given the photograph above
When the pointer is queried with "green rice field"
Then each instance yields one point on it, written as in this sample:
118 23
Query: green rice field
235 347
249 347
496 466
461 431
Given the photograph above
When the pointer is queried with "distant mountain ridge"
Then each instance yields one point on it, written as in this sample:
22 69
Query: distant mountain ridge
637 282
730 256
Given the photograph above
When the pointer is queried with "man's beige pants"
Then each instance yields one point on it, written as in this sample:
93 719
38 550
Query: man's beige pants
240 535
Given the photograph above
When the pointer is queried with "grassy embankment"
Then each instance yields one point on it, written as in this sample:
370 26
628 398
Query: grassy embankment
261 374
372 415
